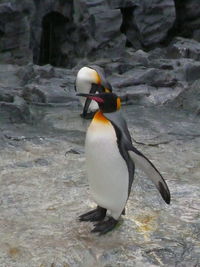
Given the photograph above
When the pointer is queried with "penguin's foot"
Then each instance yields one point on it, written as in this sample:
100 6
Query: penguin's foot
105 226
88 116
94 215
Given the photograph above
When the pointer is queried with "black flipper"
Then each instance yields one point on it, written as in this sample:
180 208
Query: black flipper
147 166
124 153
126 147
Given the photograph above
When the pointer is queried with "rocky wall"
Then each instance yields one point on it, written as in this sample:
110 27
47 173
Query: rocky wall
90 28
150 49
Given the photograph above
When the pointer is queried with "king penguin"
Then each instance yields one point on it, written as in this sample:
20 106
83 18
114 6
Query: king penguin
111 159
91 79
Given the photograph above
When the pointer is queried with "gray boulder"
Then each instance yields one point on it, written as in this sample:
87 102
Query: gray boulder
101 25
184 48
189 99
10 83
147 23
15 31
46 84
18 111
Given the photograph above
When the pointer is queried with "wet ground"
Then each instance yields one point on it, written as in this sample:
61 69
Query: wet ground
43 189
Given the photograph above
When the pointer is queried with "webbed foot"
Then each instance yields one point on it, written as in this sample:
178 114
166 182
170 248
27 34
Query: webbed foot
97 214
105 226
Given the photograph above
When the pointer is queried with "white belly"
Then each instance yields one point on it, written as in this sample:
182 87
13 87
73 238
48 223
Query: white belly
107 170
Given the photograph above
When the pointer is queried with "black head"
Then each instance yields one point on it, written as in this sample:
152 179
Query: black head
108 102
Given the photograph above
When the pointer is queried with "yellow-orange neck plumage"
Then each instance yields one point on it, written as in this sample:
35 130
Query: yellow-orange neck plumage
99 117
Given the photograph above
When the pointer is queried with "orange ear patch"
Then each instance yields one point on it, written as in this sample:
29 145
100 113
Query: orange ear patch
99 117
97 78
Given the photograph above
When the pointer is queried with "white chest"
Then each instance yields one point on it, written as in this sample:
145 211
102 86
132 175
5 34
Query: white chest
107 170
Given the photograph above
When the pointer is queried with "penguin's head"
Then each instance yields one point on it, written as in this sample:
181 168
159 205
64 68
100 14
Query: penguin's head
92 77
108 102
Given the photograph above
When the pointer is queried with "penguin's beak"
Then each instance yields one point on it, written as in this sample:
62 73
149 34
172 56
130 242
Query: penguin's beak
94 97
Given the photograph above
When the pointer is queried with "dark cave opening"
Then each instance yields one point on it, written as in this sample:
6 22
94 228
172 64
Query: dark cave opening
52 38
2 29
127 17
2 33
178 28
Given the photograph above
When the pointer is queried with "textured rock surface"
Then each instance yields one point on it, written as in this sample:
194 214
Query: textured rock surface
15 31
189 99
64 32
148 22
43 191
58 32
184 48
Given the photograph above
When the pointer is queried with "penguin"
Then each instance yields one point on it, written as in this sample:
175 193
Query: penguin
111 159
91 79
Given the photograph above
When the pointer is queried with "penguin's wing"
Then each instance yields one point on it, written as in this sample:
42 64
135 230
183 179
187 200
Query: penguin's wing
105 84
147 166
137 157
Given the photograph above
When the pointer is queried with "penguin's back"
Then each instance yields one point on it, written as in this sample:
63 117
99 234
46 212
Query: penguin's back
107 170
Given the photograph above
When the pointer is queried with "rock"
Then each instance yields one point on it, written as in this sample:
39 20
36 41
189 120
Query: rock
10 84
94 18
148 22
49 93
192 71
189 99
148 95
9 75
184 48
15 29
74 151
184 69
7 94
76 31
46 71
18 110
46 84
134 94
150 76
196 35
161 96
122 3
